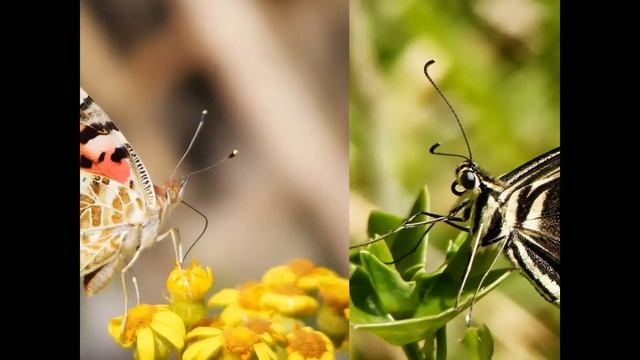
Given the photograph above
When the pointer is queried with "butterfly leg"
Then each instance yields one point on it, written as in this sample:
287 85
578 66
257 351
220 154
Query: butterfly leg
175 240
125 297
177 248
123 278
408 224
468 270
495 259
135 286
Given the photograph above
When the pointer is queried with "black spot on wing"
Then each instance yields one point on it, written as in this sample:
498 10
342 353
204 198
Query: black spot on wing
87 134
101 158
86 103
85 162
91 131
119 154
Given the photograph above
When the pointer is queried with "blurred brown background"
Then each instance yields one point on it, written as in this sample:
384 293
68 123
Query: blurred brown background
274 78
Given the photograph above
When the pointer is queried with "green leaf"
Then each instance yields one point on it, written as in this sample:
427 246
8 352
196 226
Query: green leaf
479 343
404 304
407 240
397 296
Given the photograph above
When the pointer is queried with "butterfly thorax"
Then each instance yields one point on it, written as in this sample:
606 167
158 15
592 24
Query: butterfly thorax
168 197
478 200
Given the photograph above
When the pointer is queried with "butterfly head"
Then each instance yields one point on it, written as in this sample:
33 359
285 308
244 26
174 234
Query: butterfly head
171 193
175 190
468 177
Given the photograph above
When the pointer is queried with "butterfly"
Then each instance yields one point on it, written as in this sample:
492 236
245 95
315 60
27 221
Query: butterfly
521 209
121 211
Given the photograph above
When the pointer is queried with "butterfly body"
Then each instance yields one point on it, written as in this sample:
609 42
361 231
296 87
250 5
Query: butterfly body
521 208
121 211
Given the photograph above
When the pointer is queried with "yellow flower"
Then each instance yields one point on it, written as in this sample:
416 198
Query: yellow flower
308 344
240 304
289 301
301 273
335 293
190 283
153 328
187 288
331 316
237 343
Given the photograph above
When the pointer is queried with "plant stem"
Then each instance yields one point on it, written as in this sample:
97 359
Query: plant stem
441 343
412 351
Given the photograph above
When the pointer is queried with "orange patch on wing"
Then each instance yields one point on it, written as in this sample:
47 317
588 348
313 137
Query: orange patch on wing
119 171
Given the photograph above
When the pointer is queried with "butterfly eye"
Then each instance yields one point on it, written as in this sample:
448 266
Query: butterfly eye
467 180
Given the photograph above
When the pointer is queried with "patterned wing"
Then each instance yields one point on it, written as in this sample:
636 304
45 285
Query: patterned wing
108 212
534 241
105 151
539 167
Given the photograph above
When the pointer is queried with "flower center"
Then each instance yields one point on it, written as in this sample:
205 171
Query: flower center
138 317
308 344
239 340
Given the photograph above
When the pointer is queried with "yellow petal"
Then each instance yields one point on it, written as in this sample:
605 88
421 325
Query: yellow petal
115 330
295 356
264 352
296 305
233 315
145 346
223 297
206 347
173 335
203 331
212 350
279 275
169 318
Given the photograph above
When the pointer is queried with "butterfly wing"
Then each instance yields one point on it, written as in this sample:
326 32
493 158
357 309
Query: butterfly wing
533 244
115 192
105 151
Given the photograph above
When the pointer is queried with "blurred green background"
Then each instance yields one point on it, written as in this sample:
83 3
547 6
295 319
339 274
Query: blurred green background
498 62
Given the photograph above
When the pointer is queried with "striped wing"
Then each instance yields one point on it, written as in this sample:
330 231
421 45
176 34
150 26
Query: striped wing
533 244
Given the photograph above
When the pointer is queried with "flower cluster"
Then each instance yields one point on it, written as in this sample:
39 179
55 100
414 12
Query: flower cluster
298 311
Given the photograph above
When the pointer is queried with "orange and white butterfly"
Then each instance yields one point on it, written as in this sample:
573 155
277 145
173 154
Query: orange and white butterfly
121 211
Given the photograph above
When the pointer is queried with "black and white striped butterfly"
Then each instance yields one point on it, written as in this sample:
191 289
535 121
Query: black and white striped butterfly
520 208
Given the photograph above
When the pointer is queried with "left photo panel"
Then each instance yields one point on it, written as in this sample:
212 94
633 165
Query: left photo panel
214 180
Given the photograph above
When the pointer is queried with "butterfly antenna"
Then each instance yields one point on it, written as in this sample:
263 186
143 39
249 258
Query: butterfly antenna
231 155
193 139
206 225
433 148
464 135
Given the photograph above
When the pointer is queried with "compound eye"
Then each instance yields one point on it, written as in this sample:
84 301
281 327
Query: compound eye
467 179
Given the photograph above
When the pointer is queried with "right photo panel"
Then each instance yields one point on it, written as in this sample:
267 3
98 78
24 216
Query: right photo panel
454 179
